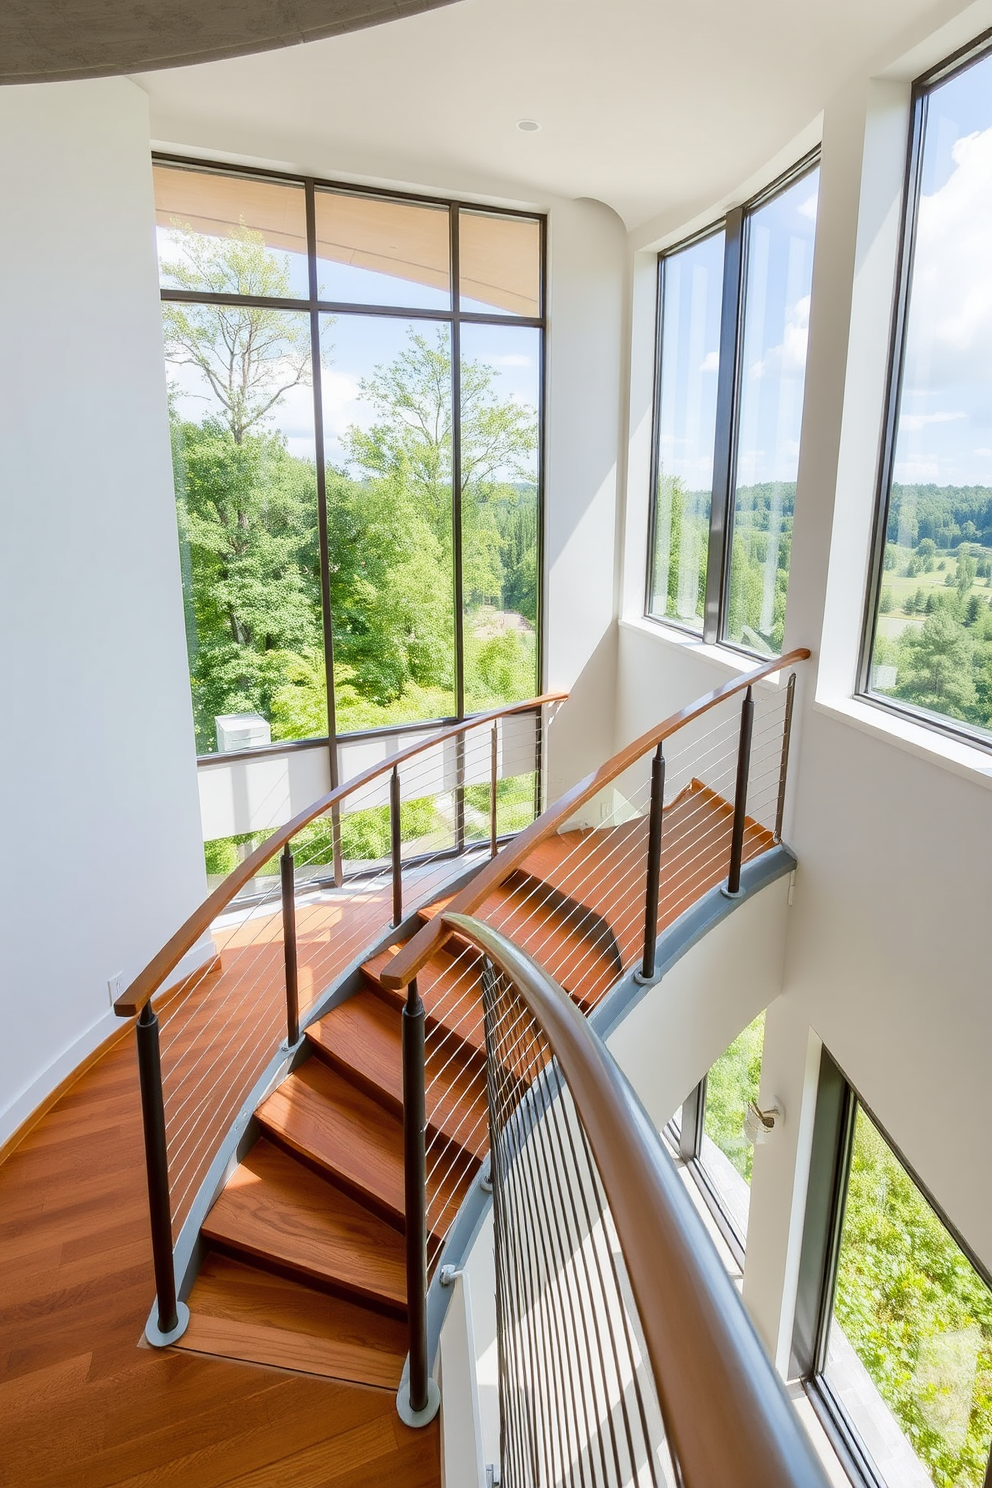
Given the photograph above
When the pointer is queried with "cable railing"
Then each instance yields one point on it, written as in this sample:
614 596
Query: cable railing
625 1354
340 878
585 890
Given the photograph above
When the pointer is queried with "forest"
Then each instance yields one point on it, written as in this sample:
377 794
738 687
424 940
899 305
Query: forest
933 641
759 568
248 517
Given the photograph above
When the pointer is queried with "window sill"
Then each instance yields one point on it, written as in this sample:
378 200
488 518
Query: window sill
966 760
733 663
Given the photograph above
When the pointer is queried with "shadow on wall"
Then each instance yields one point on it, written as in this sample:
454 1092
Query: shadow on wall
582 735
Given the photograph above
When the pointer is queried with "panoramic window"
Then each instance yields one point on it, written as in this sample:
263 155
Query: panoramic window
712 1137
357 452
929 642
733 319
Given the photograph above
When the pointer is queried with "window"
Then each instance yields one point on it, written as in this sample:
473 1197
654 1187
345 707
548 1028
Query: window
711 1136
355 396
928 641
899 1360
732 323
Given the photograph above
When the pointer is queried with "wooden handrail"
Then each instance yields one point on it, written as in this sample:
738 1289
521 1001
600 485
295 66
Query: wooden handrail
414 955
148 981
725 1409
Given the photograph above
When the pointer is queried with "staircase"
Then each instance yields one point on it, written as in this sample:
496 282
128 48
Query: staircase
304 1265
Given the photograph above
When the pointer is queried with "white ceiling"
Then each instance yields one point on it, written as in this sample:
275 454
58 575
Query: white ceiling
652 106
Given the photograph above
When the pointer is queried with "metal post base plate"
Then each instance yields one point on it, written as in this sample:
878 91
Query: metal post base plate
154 1334
417 1418
728 895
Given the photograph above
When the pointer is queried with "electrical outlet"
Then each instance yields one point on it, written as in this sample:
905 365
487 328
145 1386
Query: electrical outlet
115 986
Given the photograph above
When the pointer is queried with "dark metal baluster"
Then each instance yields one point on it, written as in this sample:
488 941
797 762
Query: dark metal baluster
157 1165
493 775
396 839
338 857
422 1396
287 877
733 886
654 864
790 700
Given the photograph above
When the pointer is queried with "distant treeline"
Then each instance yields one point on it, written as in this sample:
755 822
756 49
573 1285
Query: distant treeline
947 514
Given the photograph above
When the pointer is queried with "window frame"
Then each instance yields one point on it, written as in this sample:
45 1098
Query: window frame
958 62
686 1137
454 317
837 1105
735 226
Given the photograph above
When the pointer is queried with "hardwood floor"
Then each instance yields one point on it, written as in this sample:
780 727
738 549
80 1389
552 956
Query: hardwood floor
305 1263
82 1405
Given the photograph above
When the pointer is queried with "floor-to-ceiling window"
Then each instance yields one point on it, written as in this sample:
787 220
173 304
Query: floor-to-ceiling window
733 311
928 646
355 386
893 1330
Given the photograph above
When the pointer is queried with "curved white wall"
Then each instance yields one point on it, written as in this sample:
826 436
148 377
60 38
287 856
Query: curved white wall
102 856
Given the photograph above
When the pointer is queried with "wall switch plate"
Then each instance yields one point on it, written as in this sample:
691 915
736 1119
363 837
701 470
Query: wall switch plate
115 986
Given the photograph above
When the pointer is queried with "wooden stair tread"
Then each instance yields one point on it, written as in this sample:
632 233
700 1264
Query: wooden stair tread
276 1210
240 1312
578 956
362 1040
448 987
332 1125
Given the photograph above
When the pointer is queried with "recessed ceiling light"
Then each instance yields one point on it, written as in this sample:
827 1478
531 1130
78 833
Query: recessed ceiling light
528 126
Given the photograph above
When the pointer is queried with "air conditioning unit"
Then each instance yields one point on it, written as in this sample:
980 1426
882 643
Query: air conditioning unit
241 731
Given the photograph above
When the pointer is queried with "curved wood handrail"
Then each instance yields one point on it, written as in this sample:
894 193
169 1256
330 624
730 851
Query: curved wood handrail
414 955
725 1409
148 981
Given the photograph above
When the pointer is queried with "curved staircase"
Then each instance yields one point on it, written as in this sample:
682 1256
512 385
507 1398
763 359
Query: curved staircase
304 1264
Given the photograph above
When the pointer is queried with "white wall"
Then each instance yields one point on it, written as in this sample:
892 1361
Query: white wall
587 251
102 856
887 957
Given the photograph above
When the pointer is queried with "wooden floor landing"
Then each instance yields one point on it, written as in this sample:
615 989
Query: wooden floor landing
82 1405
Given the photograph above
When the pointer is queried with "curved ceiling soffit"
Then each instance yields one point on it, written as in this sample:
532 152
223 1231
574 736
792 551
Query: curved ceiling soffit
58 40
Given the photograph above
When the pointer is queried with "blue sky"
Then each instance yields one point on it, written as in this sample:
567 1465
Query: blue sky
779 267
945 426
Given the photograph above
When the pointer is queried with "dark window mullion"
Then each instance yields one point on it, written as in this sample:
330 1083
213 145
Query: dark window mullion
718 558
833 1126
456 470
691 1124
318 434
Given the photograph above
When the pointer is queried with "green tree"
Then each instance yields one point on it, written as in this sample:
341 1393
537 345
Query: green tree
935 669
248 355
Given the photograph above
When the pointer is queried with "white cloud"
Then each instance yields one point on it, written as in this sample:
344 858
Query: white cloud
807 208
710 362
982 451
514 359
951 309
913 422
907 471
788 359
